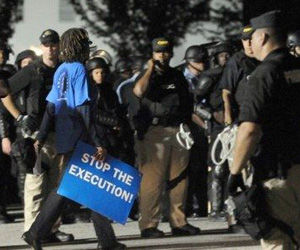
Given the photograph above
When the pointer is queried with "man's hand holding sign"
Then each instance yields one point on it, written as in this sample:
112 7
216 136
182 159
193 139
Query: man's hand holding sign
100 182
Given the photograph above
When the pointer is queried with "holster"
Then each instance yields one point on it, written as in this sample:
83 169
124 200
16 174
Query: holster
251 212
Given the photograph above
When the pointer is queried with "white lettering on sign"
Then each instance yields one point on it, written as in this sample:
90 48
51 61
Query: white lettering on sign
102 183
91 160
121 176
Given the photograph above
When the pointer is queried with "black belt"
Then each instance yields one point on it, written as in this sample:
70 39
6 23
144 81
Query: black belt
165 122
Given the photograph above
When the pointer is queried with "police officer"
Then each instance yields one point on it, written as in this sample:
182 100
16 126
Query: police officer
269 121
210 100
32 84
101 53
130 104
196 58
5 50
196 61
7 134
122 71
239 66
163 92
293 43
220 53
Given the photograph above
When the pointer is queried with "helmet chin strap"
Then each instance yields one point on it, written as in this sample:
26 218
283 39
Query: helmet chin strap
198 70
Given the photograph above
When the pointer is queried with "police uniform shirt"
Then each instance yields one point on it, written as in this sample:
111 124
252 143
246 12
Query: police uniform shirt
36 79
170 85
273 100
130 101
238 67
214 97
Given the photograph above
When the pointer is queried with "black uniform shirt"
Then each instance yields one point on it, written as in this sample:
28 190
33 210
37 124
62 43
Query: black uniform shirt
171 88
273 100
214 97
237 68
36 80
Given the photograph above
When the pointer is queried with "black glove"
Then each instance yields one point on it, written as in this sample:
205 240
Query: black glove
28 123
234 182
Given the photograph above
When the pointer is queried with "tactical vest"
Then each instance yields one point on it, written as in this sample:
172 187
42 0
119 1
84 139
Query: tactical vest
32 99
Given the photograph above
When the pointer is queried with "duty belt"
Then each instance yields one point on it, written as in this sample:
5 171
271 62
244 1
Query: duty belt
165 122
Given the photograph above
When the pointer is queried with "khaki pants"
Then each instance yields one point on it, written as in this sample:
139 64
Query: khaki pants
283 198
161 158
37 187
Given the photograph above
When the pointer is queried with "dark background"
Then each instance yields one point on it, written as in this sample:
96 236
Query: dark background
291 8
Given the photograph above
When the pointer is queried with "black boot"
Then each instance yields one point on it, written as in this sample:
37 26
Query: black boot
217 194
34 243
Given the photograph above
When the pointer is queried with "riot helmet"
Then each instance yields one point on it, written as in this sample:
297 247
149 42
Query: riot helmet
222 48
138 62
293 41
123 65
95 63
196 53
101 53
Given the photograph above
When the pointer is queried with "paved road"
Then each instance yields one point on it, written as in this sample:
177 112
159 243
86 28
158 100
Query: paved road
214 236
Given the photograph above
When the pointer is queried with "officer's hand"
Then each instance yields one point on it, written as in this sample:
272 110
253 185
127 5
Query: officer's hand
150 64
227 119
234 182
101 154
27 123
38 146
6 146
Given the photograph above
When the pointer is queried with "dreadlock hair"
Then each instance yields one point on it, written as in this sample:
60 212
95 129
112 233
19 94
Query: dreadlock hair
74 45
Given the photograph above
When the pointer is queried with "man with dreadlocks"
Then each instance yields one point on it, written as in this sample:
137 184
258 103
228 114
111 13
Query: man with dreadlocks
69 109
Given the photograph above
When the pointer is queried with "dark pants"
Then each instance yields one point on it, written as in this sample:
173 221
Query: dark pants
197 190
218 178
52 209
8 189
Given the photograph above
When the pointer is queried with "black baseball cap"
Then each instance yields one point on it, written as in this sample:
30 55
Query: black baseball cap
162 44
49 36
271 19
247 32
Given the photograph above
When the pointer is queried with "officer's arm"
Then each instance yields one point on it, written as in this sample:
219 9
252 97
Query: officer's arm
16 83
249 134
4 135
47 122
10 106
7 99
142 83
226 95
197 120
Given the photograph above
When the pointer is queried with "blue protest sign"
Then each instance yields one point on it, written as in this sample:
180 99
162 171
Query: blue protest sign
108 188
